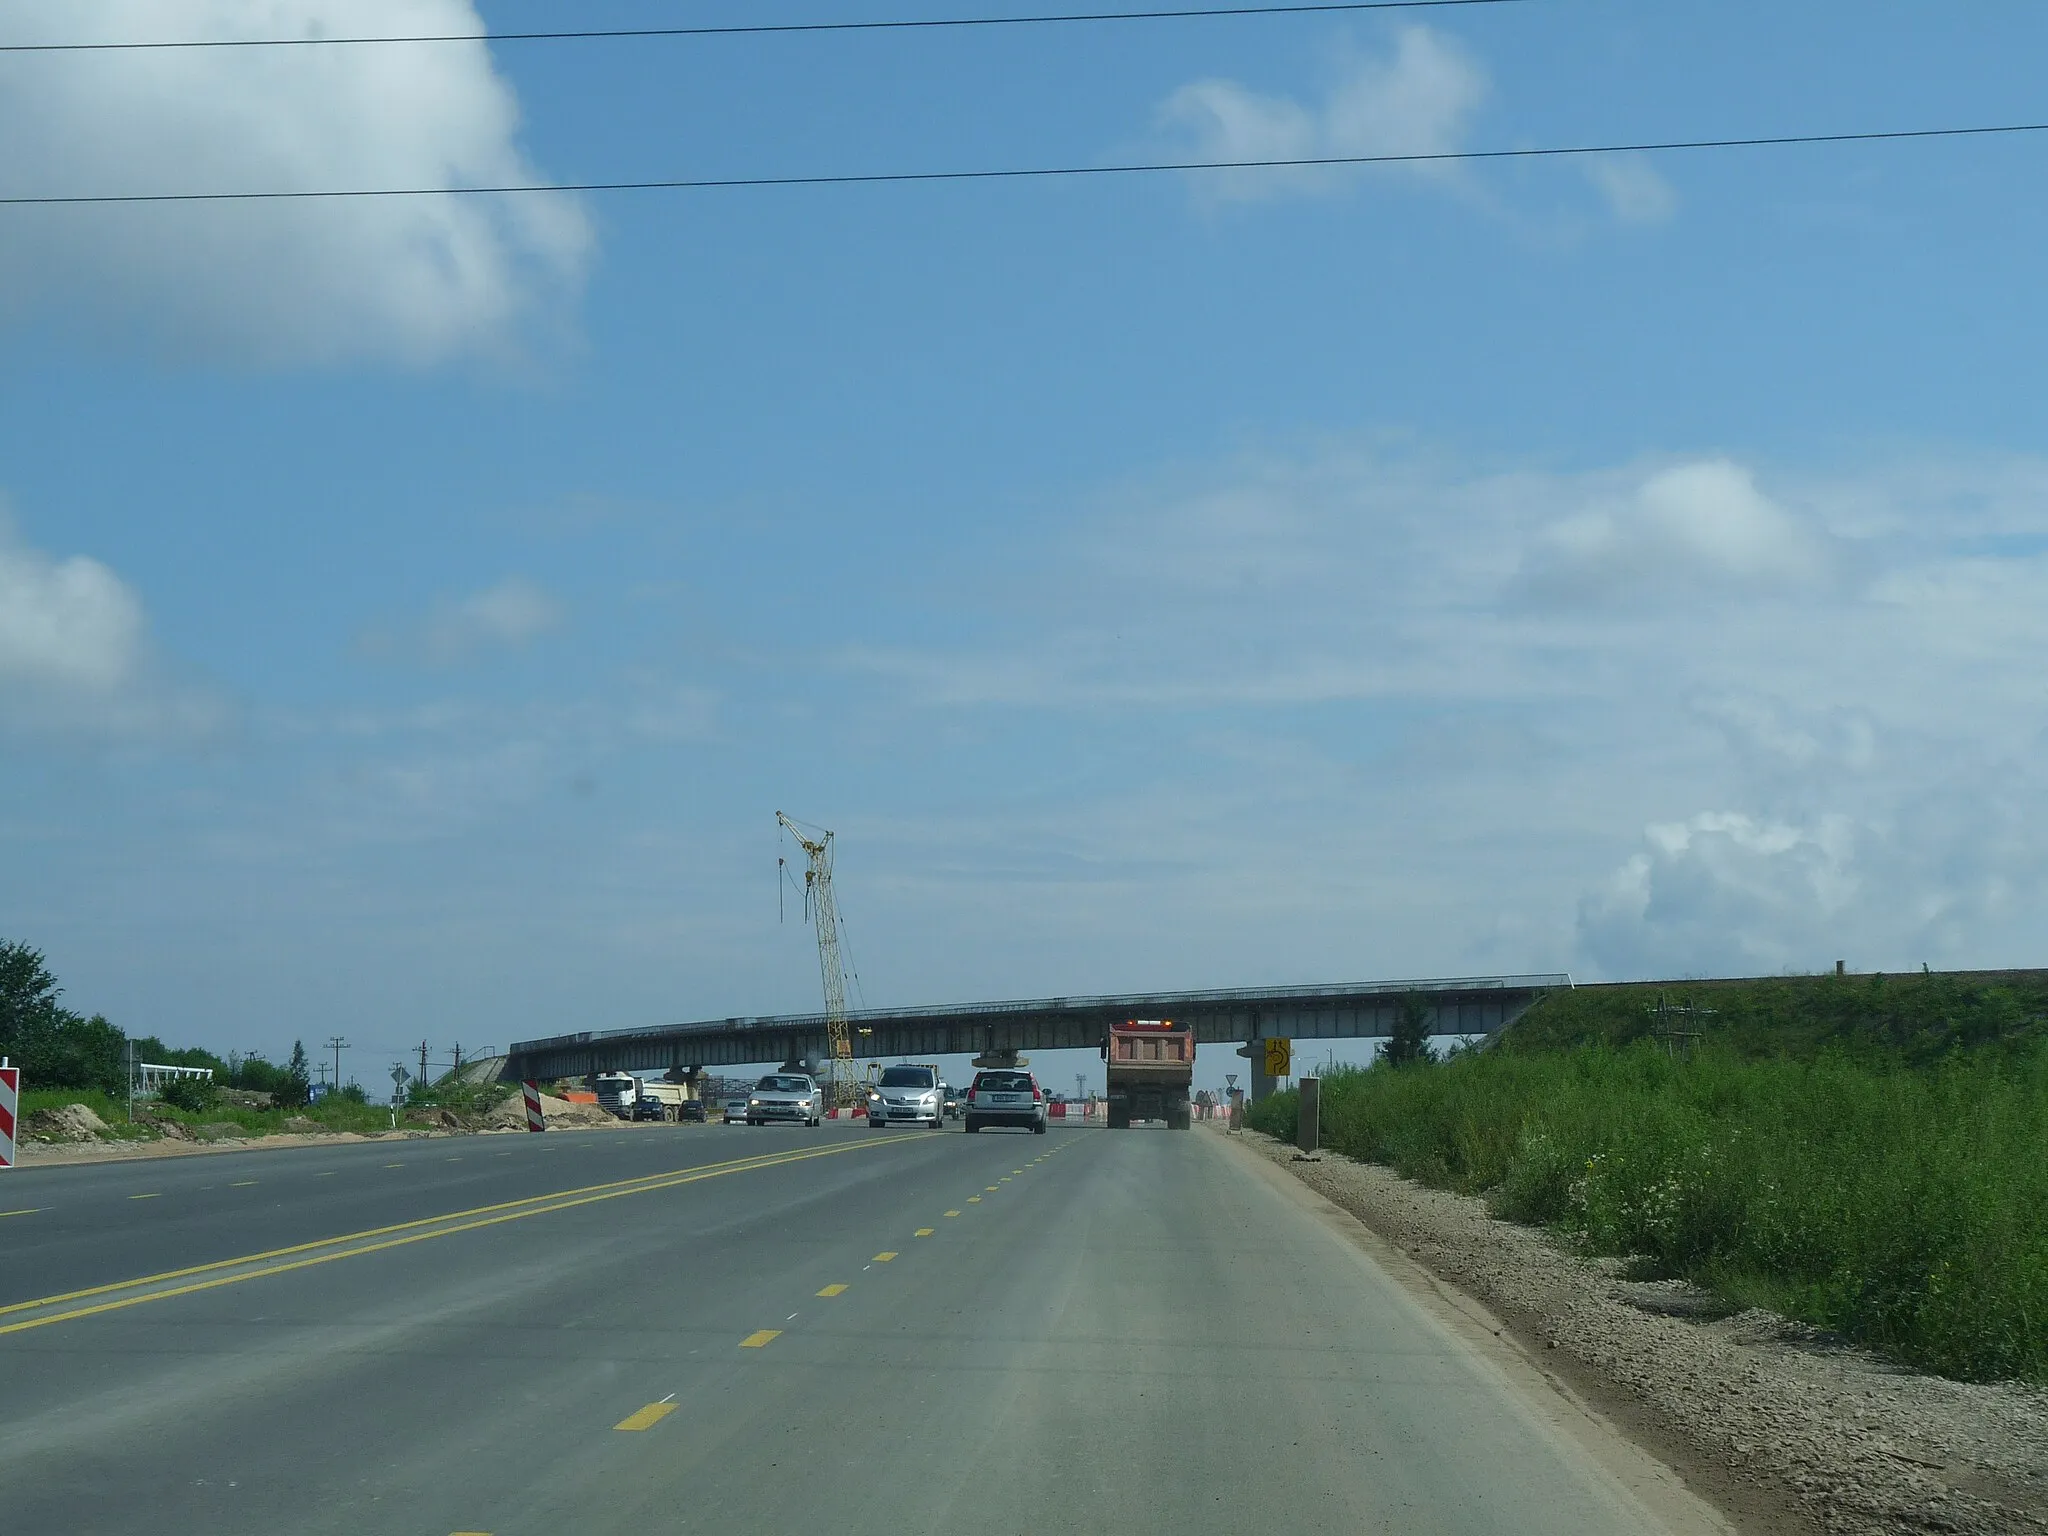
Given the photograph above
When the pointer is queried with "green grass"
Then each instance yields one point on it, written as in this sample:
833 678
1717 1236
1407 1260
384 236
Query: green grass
336 1115
1901 1205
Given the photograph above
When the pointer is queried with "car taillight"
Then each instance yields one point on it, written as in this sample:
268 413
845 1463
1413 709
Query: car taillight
1036 1094
971 1093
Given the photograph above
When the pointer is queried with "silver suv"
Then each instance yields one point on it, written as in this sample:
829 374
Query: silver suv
906 1094
786 1096
1002 1096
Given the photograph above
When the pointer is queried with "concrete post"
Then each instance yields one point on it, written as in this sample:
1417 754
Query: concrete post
1308 1129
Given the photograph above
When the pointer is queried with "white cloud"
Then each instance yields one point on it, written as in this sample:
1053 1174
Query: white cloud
1699 523
68 625
1635 192
501 617
76 657
1417 100
416 280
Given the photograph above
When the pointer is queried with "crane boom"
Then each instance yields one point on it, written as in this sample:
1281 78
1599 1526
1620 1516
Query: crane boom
824 914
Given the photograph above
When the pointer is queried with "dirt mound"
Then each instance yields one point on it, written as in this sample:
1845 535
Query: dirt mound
219 1130
511 1114
64 1122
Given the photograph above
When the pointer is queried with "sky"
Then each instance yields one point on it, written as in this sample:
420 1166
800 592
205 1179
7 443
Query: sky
413 611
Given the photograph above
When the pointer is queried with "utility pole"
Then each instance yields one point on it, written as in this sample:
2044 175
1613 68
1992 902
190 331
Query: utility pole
337 1045
423 1065
131 1082
458 1060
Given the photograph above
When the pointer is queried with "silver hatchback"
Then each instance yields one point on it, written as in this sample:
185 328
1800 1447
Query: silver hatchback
1005 1097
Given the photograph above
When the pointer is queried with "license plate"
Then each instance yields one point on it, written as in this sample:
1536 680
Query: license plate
1002 1098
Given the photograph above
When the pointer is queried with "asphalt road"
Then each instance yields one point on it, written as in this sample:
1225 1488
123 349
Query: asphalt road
697 1328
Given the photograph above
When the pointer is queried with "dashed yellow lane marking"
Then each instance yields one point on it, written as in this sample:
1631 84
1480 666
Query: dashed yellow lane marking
647 1417
327 1175
358 1244
885 1256
833 1290
242 1184
971 1200
760 1338
31 1211
952 1213
394 1165
921 1231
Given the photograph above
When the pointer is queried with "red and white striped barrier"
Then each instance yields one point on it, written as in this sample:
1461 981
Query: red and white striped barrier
536 1117
10 1102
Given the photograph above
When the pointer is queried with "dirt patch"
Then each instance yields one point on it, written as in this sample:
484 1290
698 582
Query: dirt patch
64 1122
1768 1416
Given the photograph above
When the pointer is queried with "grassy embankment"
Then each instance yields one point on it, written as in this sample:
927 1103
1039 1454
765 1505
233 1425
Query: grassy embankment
208 1123
1869 1155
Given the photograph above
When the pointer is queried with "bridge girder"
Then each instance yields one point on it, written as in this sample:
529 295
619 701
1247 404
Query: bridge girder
1462 1006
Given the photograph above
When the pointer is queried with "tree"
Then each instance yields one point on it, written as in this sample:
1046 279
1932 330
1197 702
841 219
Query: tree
1409 1044
54 1047
295 1083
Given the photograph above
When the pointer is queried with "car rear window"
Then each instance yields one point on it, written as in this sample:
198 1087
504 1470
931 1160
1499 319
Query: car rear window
907 1077
1004 1082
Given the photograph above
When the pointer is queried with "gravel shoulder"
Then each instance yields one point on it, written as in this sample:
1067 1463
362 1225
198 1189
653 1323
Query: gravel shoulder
1782 1427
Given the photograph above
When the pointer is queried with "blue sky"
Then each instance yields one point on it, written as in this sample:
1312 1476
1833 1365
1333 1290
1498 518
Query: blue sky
413 614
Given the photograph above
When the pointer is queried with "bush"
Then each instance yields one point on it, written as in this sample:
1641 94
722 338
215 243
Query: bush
1903 1207
194 1095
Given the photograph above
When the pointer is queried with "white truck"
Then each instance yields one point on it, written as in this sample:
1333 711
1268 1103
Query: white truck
633 1098
618 1093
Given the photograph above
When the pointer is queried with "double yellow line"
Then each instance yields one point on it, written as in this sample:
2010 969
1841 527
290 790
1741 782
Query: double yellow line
161 1287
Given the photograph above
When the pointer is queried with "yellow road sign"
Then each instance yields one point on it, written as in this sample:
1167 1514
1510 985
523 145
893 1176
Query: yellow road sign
1279 1058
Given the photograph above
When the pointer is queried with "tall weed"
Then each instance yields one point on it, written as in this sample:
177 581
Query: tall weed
1902 1206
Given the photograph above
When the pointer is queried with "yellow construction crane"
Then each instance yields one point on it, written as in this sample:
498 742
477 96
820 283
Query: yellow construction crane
823 912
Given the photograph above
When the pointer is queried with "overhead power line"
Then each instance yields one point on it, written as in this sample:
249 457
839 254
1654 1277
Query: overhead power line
757 29
1028 173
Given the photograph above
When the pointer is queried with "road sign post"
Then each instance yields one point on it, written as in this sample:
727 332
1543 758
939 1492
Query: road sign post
10 1105
536 1117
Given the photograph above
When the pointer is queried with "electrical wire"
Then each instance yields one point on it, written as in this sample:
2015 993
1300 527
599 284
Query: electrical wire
1031 173
755 29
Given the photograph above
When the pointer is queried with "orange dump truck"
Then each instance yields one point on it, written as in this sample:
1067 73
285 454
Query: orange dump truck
1151 1066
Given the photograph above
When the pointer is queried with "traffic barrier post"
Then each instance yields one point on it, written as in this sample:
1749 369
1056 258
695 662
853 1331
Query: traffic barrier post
536 1117
10 1104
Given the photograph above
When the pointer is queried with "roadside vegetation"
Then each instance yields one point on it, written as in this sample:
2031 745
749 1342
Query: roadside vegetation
1868 1155
68 1058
